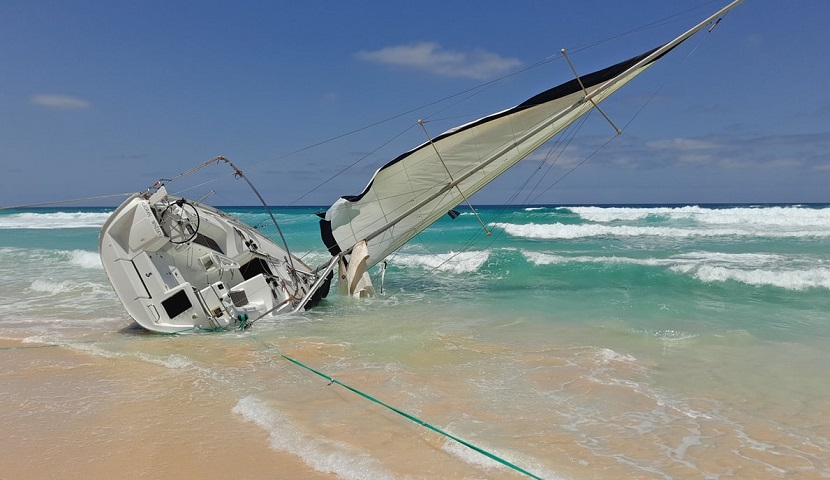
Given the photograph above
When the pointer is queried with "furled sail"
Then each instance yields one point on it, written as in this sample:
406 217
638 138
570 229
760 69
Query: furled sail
415 189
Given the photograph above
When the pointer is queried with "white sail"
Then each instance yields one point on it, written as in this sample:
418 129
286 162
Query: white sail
414 190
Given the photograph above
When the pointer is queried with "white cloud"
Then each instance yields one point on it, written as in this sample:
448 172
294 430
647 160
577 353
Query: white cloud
431 57
682 144
65 102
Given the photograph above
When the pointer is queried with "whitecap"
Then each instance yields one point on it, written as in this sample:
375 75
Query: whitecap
787 279
559 231
610 214
85 259
785 218
51 287
54 220
756 269
454 262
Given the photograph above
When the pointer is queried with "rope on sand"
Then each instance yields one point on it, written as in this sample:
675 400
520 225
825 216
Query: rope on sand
412 418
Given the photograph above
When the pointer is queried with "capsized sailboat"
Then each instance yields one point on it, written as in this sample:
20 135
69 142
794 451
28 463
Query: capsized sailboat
178 264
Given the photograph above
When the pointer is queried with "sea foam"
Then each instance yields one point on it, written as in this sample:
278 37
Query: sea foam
789 280
85 259
472 457
51 287
559 231
788 217
55 220
756 269
461 262
321 454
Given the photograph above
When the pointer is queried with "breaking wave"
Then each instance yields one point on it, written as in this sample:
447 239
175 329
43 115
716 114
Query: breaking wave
559 231
790 273
462 262
789 216
54 220
84 259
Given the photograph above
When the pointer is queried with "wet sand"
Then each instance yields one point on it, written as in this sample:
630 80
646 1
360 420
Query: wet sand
67 414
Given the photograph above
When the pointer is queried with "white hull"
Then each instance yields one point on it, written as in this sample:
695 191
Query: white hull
179 265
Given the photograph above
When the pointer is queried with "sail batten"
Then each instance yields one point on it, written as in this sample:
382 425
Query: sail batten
418 187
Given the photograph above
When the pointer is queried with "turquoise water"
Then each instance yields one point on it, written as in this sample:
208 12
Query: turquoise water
580 342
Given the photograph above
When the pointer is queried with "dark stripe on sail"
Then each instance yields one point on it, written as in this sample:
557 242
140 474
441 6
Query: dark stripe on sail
328 238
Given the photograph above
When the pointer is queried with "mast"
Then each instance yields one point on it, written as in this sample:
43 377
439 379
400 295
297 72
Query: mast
554 110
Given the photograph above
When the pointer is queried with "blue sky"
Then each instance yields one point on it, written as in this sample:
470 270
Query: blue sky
103 97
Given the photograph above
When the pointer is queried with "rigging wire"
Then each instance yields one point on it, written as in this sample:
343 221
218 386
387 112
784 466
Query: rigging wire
473 239
348 167
560 143
663 21
568 136
467 94
566 139
475 90
630 121
472 92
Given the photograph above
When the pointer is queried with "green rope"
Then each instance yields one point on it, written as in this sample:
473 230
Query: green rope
413 418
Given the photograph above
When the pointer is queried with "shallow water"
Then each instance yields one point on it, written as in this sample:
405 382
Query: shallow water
581 342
